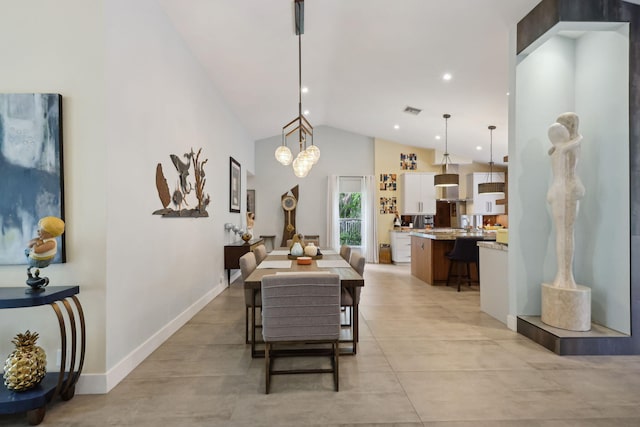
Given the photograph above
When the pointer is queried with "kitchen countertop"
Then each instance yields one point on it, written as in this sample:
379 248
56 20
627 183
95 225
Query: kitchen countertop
451 234
494 245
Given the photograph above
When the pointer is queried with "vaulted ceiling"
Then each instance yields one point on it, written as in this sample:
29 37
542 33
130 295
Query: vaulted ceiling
363 62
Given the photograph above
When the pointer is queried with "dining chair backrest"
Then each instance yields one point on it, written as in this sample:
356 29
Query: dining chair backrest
312 238
357 261
247 264
260 252
300 307
345 252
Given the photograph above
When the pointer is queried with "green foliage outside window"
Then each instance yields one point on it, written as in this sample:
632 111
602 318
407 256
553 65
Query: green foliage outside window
350 219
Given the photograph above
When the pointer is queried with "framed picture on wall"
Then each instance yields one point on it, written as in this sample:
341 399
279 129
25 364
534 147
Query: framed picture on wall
31 172
234 185
251 201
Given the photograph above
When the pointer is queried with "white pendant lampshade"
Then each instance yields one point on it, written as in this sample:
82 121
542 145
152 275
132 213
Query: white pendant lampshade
300 167
283 155
314 151
305 161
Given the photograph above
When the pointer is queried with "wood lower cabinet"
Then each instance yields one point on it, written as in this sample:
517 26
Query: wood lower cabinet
233 252
429 261
420 254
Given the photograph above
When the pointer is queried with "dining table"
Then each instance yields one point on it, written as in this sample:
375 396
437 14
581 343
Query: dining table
279 261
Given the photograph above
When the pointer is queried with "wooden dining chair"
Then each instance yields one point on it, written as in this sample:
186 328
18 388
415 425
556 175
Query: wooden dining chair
247 265
350 297
260 252
301 309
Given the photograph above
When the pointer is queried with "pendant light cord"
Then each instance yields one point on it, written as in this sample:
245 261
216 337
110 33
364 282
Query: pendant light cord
446 143
491 128
300 89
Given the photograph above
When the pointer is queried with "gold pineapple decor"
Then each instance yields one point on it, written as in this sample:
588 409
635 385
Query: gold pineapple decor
26 366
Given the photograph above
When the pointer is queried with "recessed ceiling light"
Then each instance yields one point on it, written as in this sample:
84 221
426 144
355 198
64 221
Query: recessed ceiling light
305 89
396 126
507 93
447 77
437 136
306 112
479 147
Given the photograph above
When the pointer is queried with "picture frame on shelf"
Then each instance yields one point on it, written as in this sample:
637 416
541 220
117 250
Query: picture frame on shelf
234 185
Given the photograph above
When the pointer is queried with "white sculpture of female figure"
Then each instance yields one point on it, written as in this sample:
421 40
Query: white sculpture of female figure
565 192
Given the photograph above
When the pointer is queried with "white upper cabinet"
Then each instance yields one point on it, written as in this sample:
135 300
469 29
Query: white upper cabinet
483 204
418 193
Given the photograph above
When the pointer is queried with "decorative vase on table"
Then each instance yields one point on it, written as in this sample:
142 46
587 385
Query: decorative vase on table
246 237
26 366
311 250
296 249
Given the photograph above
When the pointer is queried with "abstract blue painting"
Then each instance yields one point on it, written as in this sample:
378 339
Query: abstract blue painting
31 173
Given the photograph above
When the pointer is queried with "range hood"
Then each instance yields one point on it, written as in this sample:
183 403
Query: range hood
448 194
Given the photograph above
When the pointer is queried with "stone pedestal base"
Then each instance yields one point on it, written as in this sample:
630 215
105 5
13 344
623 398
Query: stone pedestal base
566 308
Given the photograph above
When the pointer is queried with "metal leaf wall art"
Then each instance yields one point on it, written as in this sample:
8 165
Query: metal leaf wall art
184 187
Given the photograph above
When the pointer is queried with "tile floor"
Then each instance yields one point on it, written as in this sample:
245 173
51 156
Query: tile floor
427 357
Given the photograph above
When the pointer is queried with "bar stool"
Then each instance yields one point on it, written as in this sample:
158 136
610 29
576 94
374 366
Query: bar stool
465 251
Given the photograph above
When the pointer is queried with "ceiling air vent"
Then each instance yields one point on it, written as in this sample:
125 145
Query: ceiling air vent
412 110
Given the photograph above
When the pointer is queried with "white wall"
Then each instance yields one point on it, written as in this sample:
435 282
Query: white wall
342 153
132 95
58 47
602 98
544 90
160 102
589 76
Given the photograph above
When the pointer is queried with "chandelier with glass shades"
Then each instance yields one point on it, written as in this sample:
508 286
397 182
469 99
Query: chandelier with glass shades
446 179
308 155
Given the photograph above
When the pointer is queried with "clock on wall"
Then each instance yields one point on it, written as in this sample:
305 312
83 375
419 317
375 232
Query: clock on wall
289 203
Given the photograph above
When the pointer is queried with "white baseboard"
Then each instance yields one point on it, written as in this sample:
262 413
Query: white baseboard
512 322
235 276
103 383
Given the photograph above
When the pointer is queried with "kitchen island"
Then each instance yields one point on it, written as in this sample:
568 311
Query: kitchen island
428 253
494 295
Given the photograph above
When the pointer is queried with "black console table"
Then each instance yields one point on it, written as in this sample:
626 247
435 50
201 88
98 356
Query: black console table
63 383
233 252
